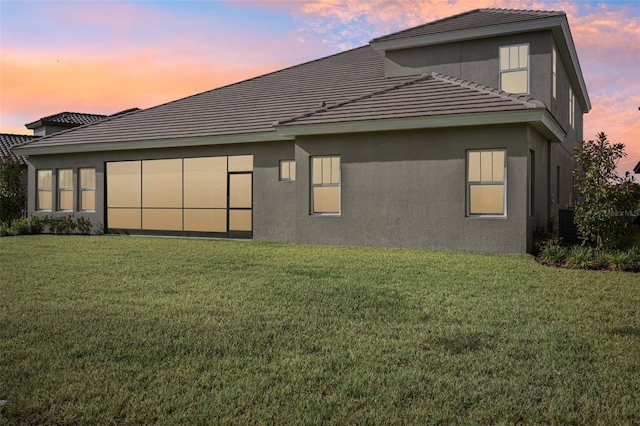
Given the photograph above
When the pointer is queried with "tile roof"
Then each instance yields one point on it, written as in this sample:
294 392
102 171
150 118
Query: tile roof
472 19
8 140
347 85
427 95
66 118
636 169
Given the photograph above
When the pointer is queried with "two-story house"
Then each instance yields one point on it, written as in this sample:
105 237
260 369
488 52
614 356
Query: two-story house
455 135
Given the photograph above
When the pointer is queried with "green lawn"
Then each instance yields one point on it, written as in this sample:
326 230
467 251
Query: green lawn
130 330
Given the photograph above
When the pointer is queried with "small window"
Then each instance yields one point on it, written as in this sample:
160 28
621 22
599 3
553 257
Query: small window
325 185
514 68
65 189
572 108
554 67
287 170
486 182
87 189
44 190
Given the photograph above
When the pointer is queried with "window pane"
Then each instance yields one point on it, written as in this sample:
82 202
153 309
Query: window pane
88 200
474 166
87 178
514 82
486 199
241 163
65 179
523 56
205 220
513 57
292 170
44 179
326 199
162 183
504 58
240 220
486 166
162 219
44 200
284 170
205 182
65 200
124 184
335 170
240 190
326 170
316 168
498 166
123 218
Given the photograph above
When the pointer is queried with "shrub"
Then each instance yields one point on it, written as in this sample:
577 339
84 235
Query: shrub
624 261
581 258
21 226
84 225
554 254
13 191
5 231
544 240
37 224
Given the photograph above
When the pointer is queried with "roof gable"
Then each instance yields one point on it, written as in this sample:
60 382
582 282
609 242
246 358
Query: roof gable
66 119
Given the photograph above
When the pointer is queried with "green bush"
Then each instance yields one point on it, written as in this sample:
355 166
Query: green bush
624 261
21 226
5 231
580 257
84 225
554 254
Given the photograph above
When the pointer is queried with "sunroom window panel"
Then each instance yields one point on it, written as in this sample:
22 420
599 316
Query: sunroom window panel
162 183
124 184
205 182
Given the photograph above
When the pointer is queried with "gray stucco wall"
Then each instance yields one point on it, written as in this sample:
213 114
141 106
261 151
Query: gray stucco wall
477 61
273 199
408 189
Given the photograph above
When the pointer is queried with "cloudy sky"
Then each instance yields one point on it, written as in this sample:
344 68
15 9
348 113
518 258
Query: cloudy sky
106 56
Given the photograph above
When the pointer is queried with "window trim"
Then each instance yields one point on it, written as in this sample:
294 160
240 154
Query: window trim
517 69
469 184
290 163
325 185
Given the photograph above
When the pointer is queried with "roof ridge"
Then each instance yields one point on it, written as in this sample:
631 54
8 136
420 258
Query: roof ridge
528 11
526 100
354 99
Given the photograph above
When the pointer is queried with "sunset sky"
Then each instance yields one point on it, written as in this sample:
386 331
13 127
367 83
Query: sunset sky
102 57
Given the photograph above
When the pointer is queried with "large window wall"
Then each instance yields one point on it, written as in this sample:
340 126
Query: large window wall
204 194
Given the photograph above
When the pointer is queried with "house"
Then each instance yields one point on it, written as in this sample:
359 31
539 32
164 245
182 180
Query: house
636 169
453 135
62 121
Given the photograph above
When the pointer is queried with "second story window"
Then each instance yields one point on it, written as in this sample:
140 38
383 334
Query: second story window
572 108
514 68
554 78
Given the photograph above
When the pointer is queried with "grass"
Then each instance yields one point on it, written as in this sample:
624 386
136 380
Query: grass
124 330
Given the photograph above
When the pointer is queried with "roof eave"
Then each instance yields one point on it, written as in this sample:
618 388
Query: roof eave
558 24
539 119
269 136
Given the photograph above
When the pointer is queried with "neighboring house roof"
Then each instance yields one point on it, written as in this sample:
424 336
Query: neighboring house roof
65 119
636 169
348 86
9 140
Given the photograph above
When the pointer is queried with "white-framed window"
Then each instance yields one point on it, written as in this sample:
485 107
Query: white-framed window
487 182
65 189
514 68
572 108
87 190
287 170
554 75
45 190
325 185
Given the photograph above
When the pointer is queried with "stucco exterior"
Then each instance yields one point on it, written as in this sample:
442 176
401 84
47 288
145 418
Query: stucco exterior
401 123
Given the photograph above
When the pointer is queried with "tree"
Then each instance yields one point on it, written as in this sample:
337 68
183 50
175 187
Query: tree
608 206
13 191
